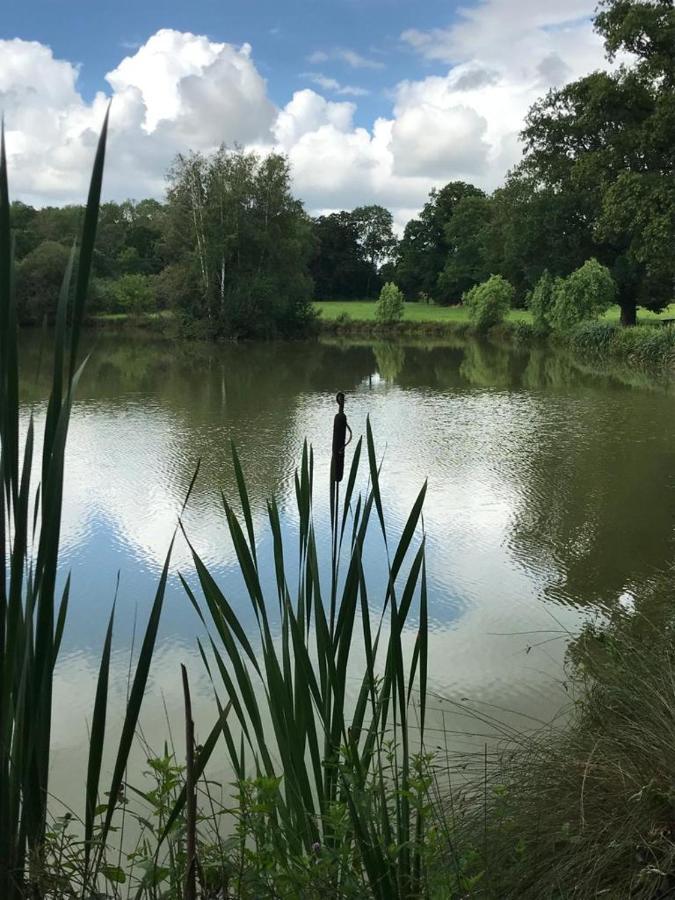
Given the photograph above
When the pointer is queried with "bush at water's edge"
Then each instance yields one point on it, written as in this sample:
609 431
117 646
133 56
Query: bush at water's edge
649 347
586 809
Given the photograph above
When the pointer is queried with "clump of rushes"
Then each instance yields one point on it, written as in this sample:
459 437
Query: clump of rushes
335 773
32 609
585 809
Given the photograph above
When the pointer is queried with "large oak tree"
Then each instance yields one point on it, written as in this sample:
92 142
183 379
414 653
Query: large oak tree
605 146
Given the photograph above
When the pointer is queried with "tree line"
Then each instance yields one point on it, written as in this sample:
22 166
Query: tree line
232 252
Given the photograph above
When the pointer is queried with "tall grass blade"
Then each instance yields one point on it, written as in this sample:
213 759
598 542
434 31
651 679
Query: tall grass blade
87 244
322 749
31 619
96 741
136 697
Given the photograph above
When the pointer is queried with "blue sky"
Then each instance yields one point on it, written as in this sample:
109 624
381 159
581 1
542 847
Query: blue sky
372 101
283 35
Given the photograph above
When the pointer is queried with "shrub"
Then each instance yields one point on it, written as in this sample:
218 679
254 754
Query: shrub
389 308
582 296
522 332
586 810
645 346
593 338
102 296
489 302
134 294
38 281
540 301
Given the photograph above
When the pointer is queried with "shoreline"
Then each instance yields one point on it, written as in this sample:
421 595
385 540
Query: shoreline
648 347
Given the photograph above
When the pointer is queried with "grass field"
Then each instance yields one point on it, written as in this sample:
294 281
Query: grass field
364 311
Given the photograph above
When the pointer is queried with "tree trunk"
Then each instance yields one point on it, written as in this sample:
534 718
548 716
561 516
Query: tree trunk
628 312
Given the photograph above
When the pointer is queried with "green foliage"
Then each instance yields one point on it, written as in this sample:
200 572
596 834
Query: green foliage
647 347
32 610
389 308
32 614
374 227
644 29
339 266
39 276
489 302
585 810
243 848
336 773
465 264
343 319
350 249
541 301
235 229
582 296
603 146
430 240
638 212
134 294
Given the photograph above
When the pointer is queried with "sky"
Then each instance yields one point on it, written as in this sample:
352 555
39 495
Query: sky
373 101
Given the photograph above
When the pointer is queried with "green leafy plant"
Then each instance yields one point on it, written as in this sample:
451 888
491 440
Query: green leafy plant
489 302
321 750
582 296
134 294
541 300
648 347
389 307
32 610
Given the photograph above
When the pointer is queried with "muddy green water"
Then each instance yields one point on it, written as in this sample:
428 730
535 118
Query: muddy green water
551 497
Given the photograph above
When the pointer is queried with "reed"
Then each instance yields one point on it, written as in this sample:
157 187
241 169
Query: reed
323 751
33 610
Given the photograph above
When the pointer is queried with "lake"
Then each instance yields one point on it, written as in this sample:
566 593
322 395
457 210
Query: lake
551 498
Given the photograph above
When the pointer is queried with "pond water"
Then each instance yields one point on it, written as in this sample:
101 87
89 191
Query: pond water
551 496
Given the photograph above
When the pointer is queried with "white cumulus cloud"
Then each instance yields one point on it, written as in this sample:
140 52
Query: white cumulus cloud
180 91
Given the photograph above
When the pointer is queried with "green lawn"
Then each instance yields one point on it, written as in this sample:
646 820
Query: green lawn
364 311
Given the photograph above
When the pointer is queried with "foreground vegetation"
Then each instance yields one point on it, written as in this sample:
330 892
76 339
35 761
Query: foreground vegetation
330 791
585 809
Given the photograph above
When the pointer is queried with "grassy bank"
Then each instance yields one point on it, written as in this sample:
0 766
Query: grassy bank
587 810
648 346
364 311
644 346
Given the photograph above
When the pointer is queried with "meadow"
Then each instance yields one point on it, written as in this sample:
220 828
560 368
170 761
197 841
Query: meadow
364 311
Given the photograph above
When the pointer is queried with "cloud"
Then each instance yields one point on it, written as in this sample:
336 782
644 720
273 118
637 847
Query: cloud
499 31
180 74
334 86
179 91
439 141
503 55
473 77
308 112
341 54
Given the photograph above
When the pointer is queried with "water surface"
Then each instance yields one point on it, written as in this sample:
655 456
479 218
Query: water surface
551 496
